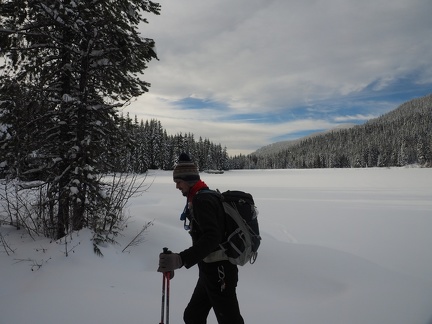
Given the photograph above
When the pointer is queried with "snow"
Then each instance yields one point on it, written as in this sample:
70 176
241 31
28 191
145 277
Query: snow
339 246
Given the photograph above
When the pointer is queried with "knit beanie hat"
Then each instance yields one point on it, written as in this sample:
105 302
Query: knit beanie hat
186 170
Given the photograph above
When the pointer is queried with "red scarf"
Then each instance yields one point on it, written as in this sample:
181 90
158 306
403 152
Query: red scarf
197 187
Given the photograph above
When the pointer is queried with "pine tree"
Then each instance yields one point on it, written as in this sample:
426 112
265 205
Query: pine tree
81 61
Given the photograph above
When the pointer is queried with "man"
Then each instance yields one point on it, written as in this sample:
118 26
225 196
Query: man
217 282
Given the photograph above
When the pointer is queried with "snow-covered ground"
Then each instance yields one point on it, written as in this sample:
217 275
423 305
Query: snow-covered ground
339 246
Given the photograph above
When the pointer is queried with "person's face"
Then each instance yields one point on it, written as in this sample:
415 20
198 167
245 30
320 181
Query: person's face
183 186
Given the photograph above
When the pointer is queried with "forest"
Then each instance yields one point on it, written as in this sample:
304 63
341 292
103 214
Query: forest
399 138
153 148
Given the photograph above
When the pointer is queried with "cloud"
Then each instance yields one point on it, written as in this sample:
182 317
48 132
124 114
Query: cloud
283 60
354 118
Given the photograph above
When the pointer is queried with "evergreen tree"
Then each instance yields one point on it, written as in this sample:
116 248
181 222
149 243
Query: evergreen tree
80 61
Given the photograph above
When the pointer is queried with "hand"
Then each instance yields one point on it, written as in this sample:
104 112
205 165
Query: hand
169 262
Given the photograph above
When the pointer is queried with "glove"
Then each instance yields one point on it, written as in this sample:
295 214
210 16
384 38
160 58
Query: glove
169 262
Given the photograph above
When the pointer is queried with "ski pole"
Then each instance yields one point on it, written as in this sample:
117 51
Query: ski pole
163 299
168 278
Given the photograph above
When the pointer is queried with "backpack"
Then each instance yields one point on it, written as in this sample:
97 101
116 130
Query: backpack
242 236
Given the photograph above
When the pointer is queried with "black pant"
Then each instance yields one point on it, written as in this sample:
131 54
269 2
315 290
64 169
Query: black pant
216 288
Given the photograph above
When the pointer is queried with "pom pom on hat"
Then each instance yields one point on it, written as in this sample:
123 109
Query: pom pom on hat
186 170
184 158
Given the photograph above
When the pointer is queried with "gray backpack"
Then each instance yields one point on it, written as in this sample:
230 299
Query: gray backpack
242 237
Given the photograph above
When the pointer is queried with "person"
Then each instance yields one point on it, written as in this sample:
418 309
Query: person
204 217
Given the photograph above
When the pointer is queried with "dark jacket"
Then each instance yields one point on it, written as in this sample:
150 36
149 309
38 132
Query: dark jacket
207 228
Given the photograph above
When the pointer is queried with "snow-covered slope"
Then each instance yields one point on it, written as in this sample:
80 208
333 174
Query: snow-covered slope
283 145
339 246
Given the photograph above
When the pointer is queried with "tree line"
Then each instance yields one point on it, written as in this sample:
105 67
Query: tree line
399 138
152 148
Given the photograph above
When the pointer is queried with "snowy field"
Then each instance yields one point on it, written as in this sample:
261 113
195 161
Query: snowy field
348 246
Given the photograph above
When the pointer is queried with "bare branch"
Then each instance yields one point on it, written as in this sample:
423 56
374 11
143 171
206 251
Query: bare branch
139 238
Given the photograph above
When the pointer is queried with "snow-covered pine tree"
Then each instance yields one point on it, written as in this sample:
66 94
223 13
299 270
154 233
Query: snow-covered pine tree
80 61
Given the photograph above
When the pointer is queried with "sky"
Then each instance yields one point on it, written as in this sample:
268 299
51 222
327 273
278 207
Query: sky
248 73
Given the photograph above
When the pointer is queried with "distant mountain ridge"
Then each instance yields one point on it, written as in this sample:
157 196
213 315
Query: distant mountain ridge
283 145
400 137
